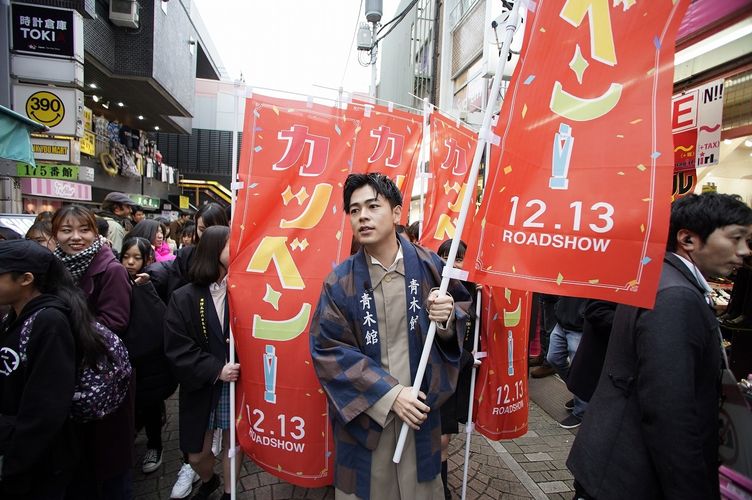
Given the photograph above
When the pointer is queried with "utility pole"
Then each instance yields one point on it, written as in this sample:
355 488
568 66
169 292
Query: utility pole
367 38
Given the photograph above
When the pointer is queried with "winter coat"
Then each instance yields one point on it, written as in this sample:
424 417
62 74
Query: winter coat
163 253
197 347
591 353
37 441
651 428
108 291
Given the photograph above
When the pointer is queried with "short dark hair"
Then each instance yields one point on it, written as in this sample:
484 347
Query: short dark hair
205 264
413 231
704 213
102 226
147 228
41 226
443 251
213 215
143 245
380 183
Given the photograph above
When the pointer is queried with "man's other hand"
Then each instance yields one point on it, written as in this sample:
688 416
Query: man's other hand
409 409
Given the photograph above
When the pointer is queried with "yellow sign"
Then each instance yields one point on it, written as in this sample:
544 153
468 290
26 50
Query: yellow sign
46 108
88 117
184 202
88 143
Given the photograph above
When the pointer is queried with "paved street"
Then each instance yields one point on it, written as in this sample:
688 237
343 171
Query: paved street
532 466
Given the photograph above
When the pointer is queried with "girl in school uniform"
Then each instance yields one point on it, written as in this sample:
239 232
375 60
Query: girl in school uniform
197 344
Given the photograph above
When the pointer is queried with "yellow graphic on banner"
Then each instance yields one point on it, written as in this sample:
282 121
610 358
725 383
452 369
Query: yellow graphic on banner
444 229
601 35
88 143
314 212
512 318
282 331
274 248
580 109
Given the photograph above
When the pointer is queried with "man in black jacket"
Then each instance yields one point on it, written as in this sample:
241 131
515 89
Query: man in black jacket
651 430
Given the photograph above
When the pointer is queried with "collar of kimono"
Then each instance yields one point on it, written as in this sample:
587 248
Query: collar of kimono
365 314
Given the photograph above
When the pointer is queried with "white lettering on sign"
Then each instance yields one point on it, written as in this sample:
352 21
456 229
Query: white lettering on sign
37 34
63 190
581 243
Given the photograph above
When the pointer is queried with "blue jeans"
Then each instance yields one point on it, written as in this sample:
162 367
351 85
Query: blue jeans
561 350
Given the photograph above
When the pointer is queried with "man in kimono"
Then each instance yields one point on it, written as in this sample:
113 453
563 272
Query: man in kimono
366 339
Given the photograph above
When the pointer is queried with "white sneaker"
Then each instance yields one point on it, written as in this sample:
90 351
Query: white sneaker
187 477
217 442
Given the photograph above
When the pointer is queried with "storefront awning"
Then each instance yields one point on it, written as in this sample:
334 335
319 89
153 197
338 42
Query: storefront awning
15 143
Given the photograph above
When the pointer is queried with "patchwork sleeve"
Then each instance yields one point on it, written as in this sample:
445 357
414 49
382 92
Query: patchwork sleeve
352 381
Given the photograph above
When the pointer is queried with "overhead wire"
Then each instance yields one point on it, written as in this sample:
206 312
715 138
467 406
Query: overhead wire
352 42
396 20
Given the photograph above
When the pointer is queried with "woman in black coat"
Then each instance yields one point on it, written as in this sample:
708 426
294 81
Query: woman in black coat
145 342
197 345
38 445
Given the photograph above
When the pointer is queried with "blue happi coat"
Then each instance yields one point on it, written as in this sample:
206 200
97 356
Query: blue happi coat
349 367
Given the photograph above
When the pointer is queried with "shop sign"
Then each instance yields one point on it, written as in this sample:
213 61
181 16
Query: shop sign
88 119
47 171
46 31
60 109
47 70
62 150
89 143
145 201
696 117
53 188
184 202
85 174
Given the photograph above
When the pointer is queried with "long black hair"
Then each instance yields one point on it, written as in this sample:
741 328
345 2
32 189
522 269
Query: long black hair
57 281
213 215
205 265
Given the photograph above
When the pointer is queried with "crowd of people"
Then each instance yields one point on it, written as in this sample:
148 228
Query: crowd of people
83 286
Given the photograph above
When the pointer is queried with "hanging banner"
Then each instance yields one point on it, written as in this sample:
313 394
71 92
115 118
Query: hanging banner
696 119
501 388
452 149
584 179
288 233
388 143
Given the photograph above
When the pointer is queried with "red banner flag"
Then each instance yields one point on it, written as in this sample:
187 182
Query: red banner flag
288 232
501 388
579 202
389 143
452 150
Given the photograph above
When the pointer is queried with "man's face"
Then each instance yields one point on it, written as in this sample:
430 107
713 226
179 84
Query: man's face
138 216
123 210
723 251
371 218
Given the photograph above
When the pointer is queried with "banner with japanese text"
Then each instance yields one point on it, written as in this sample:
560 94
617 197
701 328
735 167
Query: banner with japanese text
579 202
288 233
501 385
696 119
451 156
389 143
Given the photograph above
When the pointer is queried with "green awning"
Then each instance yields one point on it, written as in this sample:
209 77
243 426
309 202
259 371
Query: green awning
15 143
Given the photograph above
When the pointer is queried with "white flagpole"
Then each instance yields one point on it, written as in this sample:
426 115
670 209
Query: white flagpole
484 136
423 155
469 427
231 448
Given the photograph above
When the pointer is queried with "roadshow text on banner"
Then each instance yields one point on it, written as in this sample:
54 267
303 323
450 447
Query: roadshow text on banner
579 201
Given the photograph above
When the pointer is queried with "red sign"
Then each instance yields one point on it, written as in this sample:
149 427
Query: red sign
501 388
452 150
579 202
389 143
288 233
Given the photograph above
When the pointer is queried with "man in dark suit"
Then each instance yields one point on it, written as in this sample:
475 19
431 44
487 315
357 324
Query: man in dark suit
651 430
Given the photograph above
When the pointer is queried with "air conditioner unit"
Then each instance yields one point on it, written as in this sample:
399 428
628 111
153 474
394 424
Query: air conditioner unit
124 13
